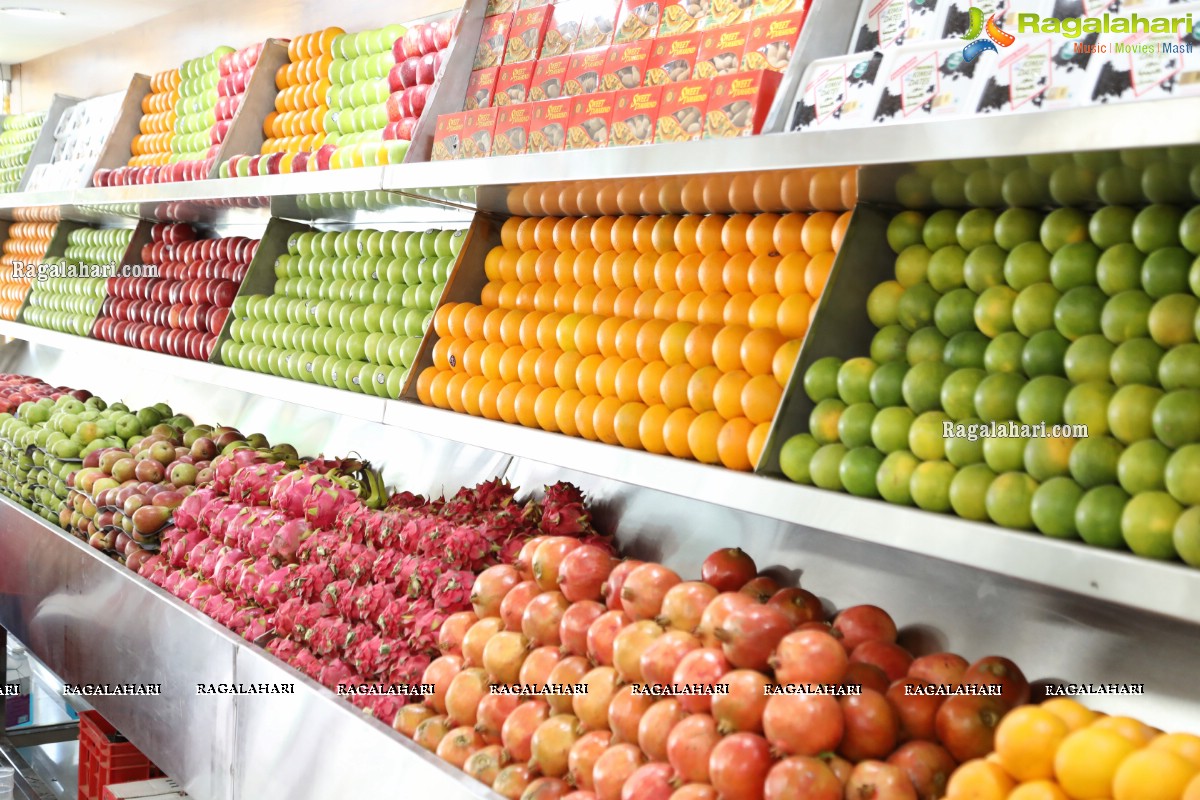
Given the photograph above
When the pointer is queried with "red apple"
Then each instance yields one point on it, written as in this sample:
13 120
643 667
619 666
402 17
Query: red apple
442 31
410 43
214 321
405 128
428 37
324 154
427 68
273 162
223 294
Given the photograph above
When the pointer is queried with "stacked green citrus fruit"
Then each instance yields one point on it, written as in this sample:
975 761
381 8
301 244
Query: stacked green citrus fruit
1065 318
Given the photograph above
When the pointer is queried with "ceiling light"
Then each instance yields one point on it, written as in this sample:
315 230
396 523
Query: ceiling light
33 13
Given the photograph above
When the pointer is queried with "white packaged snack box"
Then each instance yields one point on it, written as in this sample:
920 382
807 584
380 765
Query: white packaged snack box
883 24
930 81
1091 8
839 92
1037 73
1148 65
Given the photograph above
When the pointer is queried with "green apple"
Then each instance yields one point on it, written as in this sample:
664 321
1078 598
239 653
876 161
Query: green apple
409 346
273 366
442 267
128 425
397 377
424 296
412 272
356 346
345 313
338 374
358 319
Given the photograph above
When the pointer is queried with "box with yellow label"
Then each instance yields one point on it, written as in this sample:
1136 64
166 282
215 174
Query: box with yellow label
672 59
512 129
478 129
681 112
585 72
721 51
480 87
723 13
597 24
625 66
683 16
492 40
634 116
772 41
549 75
590 117
447 136
512 83
548 128
525 36
563 29
739 104
637 20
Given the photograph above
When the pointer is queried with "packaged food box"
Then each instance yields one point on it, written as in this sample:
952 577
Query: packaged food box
525 35
634 116
1090 8
478 129
638 19
838 92
1148 66
681 111
721 51
683 16
625 66
512 83
723 13
447 136
480 88
772 41
597 24
497 7
563 29
549 75
930 81
1036 73
548 128
889 23
672 59
773 8
512 129
739 103
591 115
585 71
522 4
492 41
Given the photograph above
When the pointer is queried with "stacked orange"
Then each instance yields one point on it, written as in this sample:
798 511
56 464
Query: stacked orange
152 146
24 248
673 334
298 122
1061 750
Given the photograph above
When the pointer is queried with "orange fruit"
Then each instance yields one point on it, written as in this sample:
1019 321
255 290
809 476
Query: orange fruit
1192 792
544 409
510 364
601 234
1137 732
734 276
817 274
604 420
764 312
784 362
1185 745
473 322
566 367
526 238
546 333
543 268
666 307
489 397
489 360
507 298
673 343
606 376
606 336
626 301
760 234
650 429
1072 712
702 437
643 308
527 265
545 367
455 351
1038 790
698 349
700 389
643 271
664 271
585 374
561 236
530 324
585 299
564 298
424 381
687 273
761 397
581 234
691 195
649 339
760 274
649 382
470 395
727 394
605 301
564 412
838 234
491 263
628 375
564 266
727 347
758 350
710 271
604 270
757 442
507 265
708 233
792 316
438 387
662 236
1088 759
441 319
626 338
525 405
489 296
472 358
585 335
737 309
527 367
456 322
674 386
565 333
1026 740
685 234
454 391
733 444
643 234
543 233
584 268
734 233
817 236
675 432
627 424
979 780
621 233
711 310
1152 775
585 412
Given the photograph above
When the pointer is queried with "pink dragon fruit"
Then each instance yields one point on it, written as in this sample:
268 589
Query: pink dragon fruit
241 618
225 467
304 619
283 649
346 553
173 580
319 547
433 540
159 574
424 629
258 627
404 570
325 498
406 500
309 663
287 495
151 564
252 577
219 527
352 521
510 549
452 591
371 657
407 669
288 540
564 512
335 672
467 549
211 511
366 603
208 566
252 485
179 549
204 591
187 516
329 635
316 577
287 614
383 707
333 594
386 565
408 536
220 608
196 556
424 577
398 614
228 560
378 530
279 585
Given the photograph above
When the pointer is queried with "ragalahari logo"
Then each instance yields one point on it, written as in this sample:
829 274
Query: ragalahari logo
995 36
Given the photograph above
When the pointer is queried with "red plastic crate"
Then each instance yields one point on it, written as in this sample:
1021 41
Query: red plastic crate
104 761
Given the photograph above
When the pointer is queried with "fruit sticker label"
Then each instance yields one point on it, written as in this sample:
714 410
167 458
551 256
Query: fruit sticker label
919 82
827 94
1029 73
890 20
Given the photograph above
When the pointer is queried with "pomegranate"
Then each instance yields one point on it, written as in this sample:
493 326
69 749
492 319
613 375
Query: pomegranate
655 726
943 669
410 716
601 634
860 624
649 782
429 734
838 766
439 674
695 791
761 588
966 725
616 582
625 713
591 706
867 676
517 732
998 671
551 744
706 666
536 669
739 765
458 745
643 591
683 605
512 607
716 613
629 645
916 712
583 572
800 606
512 781
880 781
493 710
809 656
871 726
689 745
893 659
573 627
728 570
454 629
927 766
802 778
478 635
548 558
750 634
583 756
568 672
468 688
660 659
613 768
485 764
546 789
524 562
741 708
542 617
803 724
490 587
580 794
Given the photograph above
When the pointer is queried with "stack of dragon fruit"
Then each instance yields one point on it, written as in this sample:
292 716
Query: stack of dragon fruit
355 594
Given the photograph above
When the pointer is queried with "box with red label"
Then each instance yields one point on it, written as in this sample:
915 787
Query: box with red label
597 24
548 128
563 29
772 41
721 51
549 75
584 72
683 16
525 35
512 83
478 129
738 104
447 136
532 3
591 115
681 111
672 59
492 41
634 116
495 7
773 8
638 19
512 129
625 66
480 87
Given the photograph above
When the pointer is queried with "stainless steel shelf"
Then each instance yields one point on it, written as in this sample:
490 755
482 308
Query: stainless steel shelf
93 621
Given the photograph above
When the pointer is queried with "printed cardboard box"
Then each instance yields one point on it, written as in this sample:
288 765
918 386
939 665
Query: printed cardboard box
492 41
889 23
1145 65
625 66
1037 73
683 16
497 7
447 136
723 13
739 104
930 81
512 83
549 75
681 111
548 128
638 19
480 88
772 41
634 116
597 25
563 29
591 116
773 8
478 130
525 35
721 51
673 59
839 92
512 129
585 72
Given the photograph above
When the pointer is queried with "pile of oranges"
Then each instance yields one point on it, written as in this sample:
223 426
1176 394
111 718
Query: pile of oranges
1061 750
673 334
26 245
152 146
298 122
